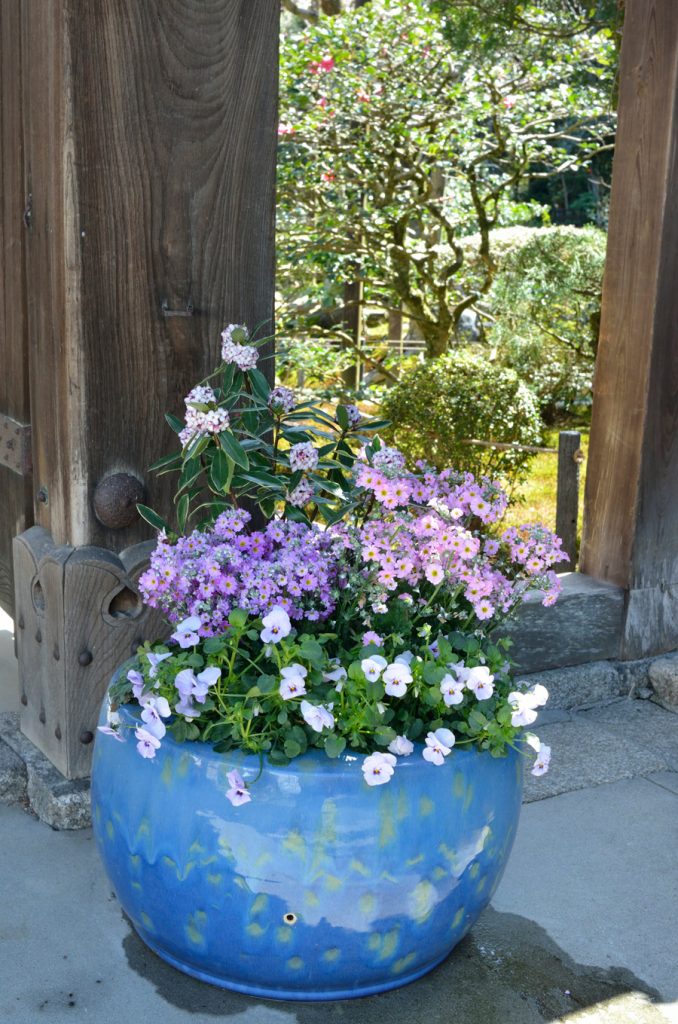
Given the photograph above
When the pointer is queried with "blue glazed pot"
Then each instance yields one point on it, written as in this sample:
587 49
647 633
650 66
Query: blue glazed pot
322 887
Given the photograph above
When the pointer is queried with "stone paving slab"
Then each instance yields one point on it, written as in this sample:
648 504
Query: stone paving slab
579 930
620 740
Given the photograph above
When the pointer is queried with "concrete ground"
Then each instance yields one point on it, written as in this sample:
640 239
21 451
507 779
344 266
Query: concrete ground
9 685
583 928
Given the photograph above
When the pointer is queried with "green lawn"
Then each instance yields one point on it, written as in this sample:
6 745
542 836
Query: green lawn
537 496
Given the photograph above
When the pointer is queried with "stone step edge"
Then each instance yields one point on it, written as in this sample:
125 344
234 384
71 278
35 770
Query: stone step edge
33 781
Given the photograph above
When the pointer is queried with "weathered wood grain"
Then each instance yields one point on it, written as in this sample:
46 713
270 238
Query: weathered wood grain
15 491
66 661
151 158
631 504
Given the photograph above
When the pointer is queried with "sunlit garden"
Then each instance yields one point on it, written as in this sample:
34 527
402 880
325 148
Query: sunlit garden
443 188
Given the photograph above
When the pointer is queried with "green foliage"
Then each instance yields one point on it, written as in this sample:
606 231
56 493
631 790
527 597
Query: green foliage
404 143
460 397
545 302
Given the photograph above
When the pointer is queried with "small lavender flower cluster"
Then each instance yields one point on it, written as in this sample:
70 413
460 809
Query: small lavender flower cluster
281 401
234 350
207 574
203 416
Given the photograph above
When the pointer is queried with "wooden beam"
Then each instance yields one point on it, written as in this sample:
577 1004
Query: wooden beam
631 502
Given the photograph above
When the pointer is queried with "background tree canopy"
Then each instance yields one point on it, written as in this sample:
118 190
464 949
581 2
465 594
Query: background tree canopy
411 132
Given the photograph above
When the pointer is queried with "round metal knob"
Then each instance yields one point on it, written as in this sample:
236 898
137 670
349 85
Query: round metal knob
115 500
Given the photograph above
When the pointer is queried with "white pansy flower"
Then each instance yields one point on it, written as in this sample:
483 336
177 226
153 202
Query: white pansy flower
186 633
276 624
543 760
480 681
396 678
401 746
438 745
317 716
452 690
373 667
378 768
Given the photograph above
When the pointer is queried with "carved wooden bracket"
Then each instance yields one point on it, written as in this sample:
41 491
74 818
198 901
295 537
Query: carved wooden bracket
78 616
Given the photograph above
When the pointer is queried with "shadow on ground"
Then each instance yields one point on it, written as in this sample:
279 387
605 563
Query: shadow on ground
507 971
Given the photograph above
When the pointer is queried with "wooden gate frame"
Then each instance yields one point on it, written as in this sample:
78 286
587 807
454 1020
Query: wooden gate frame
125 227
140 182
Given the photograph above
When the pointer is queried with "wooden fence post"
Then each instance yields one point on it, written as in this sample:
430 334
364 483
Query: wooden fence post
150 142
567 501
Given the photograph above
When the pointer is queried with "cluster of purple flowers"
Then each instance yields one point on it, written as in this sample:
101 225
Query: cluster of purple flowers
234 350
207 574
281 400
203 416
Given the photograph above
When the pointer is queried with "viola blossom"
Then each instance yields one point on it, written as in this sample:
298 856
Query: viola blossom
186 632
154 660
543 760
276 624
108 730
401 746
378 768
138 682
480 681
373 667
147 743
525 705
154 710
293 682
452 690
318 716
370 637
238 794
396 679
336 675
438 745
112 727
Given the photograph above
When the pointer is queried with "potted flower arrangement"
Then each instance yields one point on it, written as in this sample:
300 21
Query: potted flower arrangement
317 777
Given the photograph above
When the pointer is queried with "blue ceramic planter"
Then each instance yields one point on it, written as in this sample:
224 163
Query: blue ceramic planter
322 887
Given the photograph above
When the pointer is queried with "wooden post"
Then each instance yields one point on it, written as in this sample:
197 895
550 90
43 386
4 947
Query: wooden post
631 507
149 137
567 500
16 505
